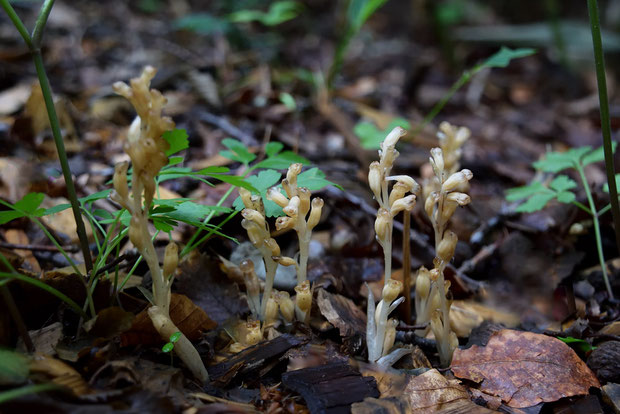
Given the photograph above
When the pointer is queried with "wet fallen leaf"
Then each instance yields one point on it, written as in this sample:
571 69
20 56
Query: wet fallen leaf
432 392
17 236
524 368
44 339
467 315
189 318
391 405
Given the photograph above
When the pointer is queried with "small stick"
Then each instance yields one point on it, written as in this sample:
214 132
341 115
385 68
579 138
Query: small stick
37 247
17 318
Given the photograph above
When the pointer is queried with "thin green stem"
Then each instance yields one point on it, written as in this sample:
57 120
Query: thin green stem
47 288
62 157
582 207
37 32
599 60
26 390
465 77
17 22
34 44
597 230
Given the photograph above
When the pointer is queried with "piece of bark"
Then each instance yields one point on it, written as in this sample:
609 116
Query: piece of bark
252 359
330 388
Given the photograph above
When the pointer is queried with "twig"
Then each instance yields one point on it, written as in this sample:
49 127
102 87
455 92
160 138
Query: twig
227 127
17 318
38 247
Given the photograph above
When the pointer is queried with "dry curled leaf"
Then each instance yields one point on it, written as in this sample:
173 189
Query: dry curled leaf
524 368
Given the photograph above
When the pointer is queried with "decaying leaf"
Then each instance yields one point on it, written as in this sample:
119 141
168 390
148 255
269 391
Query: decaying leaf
59 373
432 392
189 318
200 278
391 405
341 312
524 368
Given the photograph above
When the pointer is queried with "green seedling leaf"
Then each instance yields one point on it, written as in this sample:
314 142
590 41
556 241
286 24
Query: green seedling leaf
262 182
314 180
177 138
566 197
562 183
502 58
13 367
597 155
272 148
100 195
167 347
371 137
56 209
580 344
557 161
202 23
288 101
175 337
27 206
606 186
536 202
282 161
279 12
174 161
30 204
237 151
519 193
360 10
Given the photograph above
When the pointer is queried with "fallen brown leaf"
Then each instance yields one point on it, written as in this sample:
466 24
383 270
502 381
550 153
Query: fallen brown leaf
189 318
432 392
59 373
524 368
341 312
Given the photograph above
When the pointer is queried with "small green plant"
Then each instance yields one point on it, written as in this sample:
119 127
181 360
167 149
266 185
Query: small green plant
538 194
169 346
370 136
576 343
358 12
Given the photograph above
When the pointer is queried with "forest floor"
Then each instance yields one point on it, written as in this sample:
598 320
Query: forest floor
519 281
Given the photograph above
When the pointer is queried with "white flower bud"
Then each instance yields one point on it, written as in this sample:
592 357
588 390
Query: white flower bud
391 290
461 199
393 137
374 179
457 179
303 299
315 213
284 223
429 204
405 203
422 284
277 197
287 307
253 333
120 180
410 183
437 161
382 224
292 173
304 200
171 258
292 209
445 250
253 216
286 261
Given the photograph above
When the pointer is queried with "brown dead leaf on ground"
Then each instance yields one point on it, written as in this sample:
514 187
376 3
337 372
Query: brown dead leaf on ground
50 369
432 392
189 318
341 312
524 368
